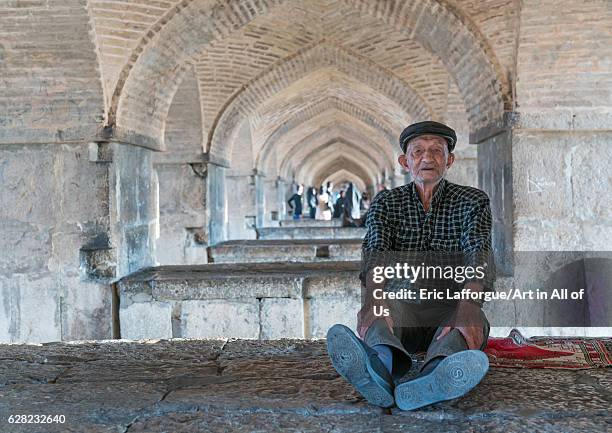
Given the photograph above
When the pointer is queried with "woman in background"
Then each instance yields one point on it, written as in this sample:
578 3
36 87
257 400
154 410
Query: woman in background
324 206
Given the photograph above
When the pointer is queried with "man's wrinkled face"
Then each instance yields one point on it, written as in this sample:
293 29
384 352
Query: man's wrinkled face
427 158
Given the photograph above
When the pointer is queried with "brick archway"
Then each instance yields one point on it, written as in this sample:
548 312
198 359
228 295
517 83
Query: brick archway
300 66
349 162
314 143
148 81
358 114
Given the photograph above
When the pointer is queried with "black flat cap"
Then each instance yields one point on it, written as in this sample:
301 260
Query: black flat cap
426 128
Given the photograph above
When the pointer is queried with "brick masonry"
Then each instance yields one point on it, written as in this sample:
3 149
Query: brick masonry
50 89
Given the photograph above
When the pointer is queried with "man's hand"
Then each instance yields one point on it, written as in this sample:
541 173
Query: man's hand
468 321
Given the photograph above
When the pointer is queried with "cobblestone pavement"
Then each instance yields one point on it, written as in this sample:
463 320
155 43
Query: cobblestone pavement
254 386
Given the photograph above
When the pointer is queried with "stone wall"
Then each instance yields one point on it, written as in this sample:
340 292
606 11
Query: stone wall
242 187
73 218
561 180
561 148
242 206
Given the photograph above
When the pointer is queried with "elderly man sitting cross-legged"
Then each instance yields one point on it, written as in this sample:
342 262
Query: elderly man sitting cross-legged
429 214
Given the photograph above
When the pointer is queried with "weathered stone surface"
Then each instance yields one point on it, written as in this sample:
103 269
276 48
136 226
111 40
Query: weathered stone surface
308 222
338 284
256 251
345 251
286 250
324 312
133 207
223 300
142 320
86 308
181 210
31 307
589 175
288 385
220 319
559 209
30 246
229 281
536 234
282 318
50 212
538 191
310 233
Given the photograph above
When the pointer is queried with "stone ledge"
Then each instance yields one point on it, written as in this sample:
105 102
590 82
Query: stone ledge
310 233
283 250
291 299
308 222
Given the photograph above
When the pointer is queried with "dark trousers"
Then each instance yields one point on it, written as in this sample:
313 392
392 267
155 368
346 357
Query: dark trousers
416 328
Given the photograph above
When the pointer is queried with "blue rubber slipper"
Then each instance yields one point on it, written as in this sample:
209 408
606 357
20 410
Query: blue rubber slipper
453 377
360 366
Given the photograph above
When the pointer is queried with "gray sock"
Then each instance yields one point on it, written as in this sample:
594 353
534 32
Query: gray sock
385 354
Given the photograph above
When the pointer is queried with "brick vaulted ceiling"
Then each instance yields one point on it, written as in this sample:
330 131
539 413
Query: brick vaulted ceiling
269 62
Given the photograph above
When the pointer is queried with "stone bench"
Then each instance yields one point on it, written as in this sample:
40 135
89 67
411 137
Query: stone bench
309 222
310 233
255 301
251 251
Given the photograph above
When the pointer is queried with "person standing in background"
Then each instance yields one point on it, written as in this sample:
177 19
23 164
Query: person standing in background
339 205
295 202
324 206
311 200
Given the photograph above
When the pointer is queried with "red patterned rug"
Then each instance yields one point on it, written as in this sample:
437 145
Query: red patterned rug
516 351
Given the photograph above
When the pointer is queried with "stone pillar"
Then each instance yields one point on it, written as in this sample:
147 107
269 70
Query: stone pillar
495 178
271 203
260 199
562 189
242 205
216 203
53 203
132 211
281 191
182 212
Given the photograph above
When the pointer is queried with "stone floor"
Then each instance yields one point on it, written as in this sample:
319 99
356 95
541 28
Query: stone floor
258 386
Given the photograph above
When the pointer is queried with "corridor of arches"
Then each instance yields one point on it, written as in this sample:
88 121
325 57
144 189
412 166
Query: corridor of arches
161 133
